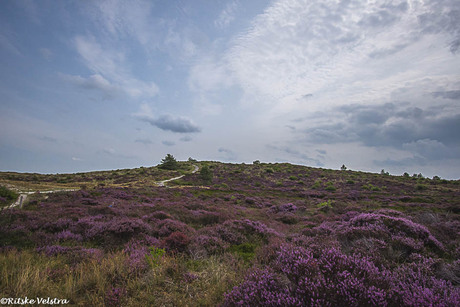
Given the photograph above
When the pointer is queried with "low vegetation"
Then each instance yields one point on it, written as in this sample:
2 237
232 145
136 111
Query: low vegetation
232 235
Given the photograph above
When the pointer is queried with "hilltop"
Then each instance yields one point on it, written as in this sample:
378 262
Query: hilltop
260 233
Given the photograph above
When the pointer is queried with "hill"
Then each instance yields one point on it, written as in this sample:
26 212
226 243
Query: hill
259 234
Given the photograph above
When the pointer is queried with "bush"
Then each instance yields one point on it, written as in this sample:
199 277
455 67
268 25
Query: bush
330 187
206 174
245 250
154 256
7 196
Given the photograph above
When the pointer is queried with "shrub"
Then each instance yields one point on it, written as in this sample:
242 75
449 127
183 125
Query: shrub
7 196
206 174
245 250
154 256
317 184
325 205
330 187
421 187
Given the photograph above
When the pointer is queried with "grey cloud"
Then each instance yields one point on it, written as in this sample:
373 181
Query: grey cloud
387 125
186 138
386 15
48 139
307 96
405 162
454 95
410 113
229 154
168 143
304 158
388 51
442 16
455 45
170 123
93 82
113 153
378 19
430 149
144 141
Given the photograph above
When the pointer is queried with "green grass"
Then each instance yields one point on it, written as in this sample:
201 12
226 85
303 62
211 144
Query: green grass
88 283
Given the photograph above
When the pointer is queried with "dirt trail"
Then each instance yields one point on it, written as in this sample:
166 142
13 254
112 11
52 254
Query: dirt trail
162 183
23 196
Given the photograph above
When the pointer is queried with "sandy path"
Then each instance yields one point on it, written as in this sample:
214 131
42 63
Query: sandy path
162 183
23 196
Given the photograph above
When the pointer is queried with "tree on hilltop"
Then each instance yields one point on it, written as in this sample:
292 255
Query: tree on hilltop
169 162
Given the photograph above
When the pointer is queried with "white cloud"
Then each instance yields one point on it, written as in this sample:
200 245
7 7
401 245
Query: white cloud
93 82
109 66
340 52
121 18
227 15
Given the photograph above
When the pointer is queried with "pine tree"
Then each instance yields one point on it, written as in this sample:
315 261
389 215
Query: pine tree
169 162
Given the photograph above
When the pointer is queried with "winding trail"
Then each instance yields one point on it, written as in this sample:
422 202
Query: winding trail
23 195
162 183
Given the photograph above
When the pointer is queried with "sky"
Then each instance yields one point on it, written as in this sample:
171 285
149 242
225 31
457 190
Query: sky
96 85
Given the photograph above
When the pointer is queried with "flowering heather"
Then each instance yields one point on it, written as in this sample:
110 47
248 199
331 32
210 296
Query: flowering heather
177 241
298 278
289 207
67 235
137 250
166 227
206 245
257 235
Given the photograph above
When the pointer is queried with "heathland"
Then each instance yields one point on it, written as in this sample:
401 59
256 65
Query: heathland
258 234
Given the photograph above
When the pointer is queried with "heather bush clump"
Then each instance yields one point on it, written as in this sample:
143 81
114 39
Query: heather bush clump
205 245
237 231
380 235
177 241
261 288
299 278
